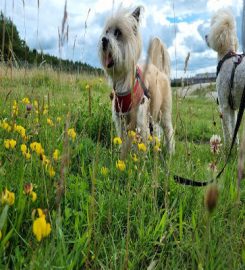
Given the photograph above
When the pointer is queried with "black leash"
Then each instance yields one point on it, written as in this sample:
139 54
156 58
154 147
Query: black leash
189 182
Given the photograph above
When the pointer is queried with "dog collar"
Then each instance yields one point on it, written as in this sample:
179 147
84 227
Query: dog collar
124 102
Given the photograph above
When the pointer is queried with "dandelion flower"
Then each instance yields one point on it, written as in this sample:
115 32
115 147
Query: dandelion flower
120 165
141 147
117 141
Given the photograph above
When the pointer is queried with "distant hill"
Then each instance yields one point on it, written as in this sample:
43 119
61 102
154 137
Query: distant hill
15 50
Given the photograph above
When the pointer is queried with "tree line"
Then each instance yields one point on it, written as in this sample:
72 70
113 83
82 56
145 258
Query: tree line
15 51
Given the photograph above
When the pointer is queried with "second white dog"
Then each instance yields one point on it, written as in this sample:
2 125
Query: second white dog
223 39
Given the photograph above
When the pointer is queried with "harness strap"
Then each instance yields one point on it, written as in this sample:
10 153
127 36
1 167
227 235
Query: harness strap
236 63
189 182
139 78
221 62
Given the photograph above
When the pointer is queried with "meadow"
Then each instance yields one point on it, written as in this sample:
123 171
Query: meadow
66 202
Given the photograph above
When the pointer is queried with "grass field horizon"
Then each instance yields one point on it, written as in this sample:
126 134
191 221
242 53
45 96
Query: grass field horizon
95 214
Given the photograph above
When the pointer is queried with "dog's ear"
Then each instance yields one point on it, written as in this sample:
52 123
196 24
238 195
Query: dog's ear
136 13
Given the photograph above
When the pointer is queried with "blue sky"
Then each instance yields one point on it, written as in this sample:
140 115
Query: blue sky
181 24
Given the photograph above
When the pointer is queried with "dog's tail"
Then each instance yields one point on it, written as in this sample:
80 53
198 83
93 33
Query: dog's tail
158 56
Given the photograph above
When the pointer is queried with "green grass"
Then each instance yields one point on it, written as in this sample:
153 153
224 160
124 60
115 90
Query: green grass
124 220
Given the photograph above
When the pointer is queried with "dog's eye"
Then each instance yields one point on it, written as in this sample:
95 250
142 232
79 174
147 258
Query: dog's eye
117 33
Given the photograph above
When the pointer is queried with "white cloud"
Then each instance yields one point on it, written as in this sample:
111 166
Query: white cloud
161 18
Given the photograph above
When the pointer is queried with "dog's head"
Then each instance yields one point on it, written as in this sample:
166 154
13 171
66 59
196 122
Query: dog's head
120 43
222 36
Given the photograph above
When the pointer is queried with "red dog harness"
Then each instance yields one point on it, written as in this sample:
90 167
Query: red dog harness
124 102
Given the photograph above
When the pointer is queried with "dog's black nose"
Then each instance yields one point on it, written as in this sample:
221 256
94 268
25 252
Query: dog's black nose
105 42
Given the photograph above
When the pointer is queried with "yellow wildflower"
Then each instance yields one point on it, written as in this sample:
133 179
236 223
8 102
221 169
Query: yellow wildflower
156 148
50 122
27 155
33 196
5 126
58 119
23 148
45 160
26 100
56 154
134 158
41 228
37 147
8 197
28 190
21 130
15 108
35 103
104 171
10 143
72 133
87 87
45 109
51 171
150 139
0 235
132 134
25 151
157 141
141 147
117 140
120 165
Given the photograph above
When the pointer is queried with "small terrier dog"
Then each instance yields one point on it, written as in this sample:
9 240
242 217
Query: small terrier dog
230 80
142 98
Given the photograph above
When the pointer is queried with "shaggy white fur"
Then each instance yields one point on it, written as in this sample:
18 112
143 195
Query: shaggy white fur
223 38
119 50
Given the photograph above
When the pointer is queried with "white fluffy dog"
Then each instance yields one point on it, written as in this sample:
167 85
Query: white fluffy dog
230 80
142 94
